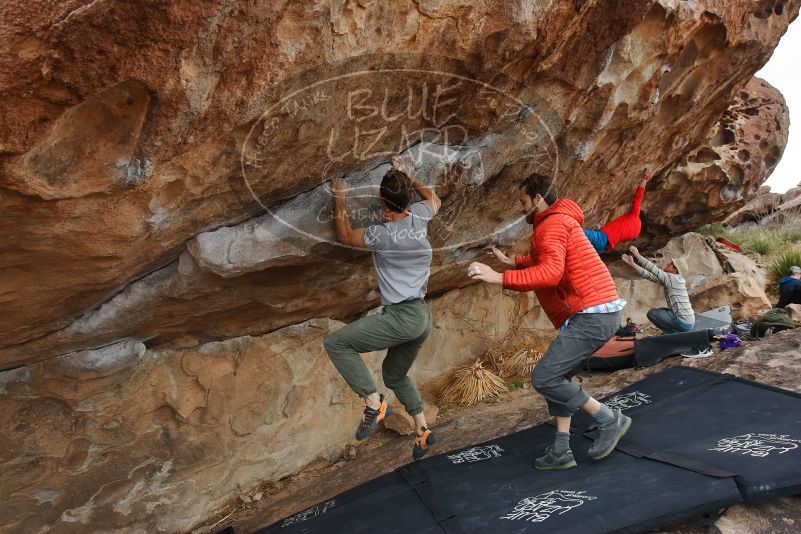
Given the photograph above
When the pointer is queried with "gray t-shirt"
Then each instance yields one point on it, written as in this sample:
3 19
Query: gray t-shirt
402 255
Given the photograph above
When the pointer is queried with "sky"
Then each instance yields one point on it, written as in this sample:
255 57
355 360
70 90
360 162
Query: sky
783 71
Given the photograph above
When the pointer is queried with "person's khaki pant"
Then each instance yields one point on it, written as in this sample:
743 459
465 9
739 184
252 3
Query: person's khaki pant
583 335
402 328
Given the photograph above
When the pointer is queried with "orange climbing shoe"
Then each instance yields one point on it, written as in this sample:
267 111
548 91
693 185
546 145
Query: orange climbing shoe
422 443
371 418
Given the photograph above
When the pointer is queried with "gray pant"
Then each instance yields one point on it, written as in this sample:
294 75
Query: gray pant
666 320
402 328
584 334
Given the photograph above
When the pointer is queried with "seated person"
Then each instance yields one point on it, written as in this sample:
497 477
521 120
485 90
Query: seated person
679 316
790 288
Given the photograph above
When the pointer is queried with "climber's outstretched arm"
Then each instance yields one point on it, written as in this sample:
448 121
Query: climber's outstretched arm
346 234
639 193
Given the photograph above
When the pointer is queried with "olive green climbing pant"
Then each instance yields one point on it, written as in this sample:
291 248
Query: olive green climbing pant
402 328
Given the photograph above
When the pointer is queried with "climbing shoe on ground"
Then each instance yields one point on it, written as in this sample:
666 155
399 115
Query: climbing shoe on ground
608 436
698 352
422 443
371 418
550 461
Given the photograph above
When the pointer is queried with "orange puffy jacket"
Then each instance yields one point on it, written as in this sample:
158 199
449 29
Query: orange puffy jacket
563 269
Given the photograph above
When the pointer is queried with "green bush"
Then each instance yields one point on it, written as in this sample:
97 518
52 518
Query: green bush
514 384
713 229
779 267
792 235
759 244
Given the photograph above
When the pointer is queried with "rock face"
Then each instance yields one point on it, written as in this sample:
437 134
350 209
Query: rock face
155 440
200 420
739 290
143 143
759 207
169 271
769 207
745 145
403 423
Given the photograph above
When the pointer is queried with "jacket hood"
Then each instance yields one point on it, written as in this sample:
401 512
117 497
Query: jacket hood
563 206
784 281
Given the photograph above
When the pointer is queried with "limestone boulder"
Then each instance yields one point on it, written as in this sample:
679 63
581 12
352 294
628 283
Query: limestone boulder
169 268
146 144
756 209
770 208
150 441
745 144
736 262
401 422
740 291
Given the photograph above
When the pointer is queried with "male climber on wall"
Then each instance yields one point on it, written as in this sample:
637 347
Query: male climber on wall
402 259
578 294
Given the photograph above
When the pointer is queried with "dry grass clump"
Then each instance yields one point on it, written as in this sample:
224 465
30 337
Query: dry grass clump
505 360
520 364
468 384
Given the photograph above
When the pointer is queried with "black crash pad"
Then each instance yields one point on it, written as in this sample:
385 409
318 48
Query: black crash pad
726 427
699 441
650 351
654 388
374 506
493 488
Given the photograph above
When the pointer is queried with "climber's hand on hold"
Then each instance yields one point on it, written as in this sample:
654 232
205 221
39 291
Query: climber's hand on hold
479 271
503 258
402 166
339 187
645 176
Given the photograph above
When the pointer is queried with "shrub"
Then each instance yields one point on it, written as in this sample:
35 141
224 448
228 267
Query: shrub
713 229
779 267
759 244
792 235
468 384
514 384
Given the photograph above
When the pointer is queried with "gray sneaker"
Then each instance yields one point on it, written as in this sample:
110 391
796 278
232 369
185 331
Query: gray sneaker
550 461
608 437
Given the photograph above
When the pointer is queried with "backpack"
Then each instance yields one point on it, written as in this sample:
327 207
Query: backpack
774 321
